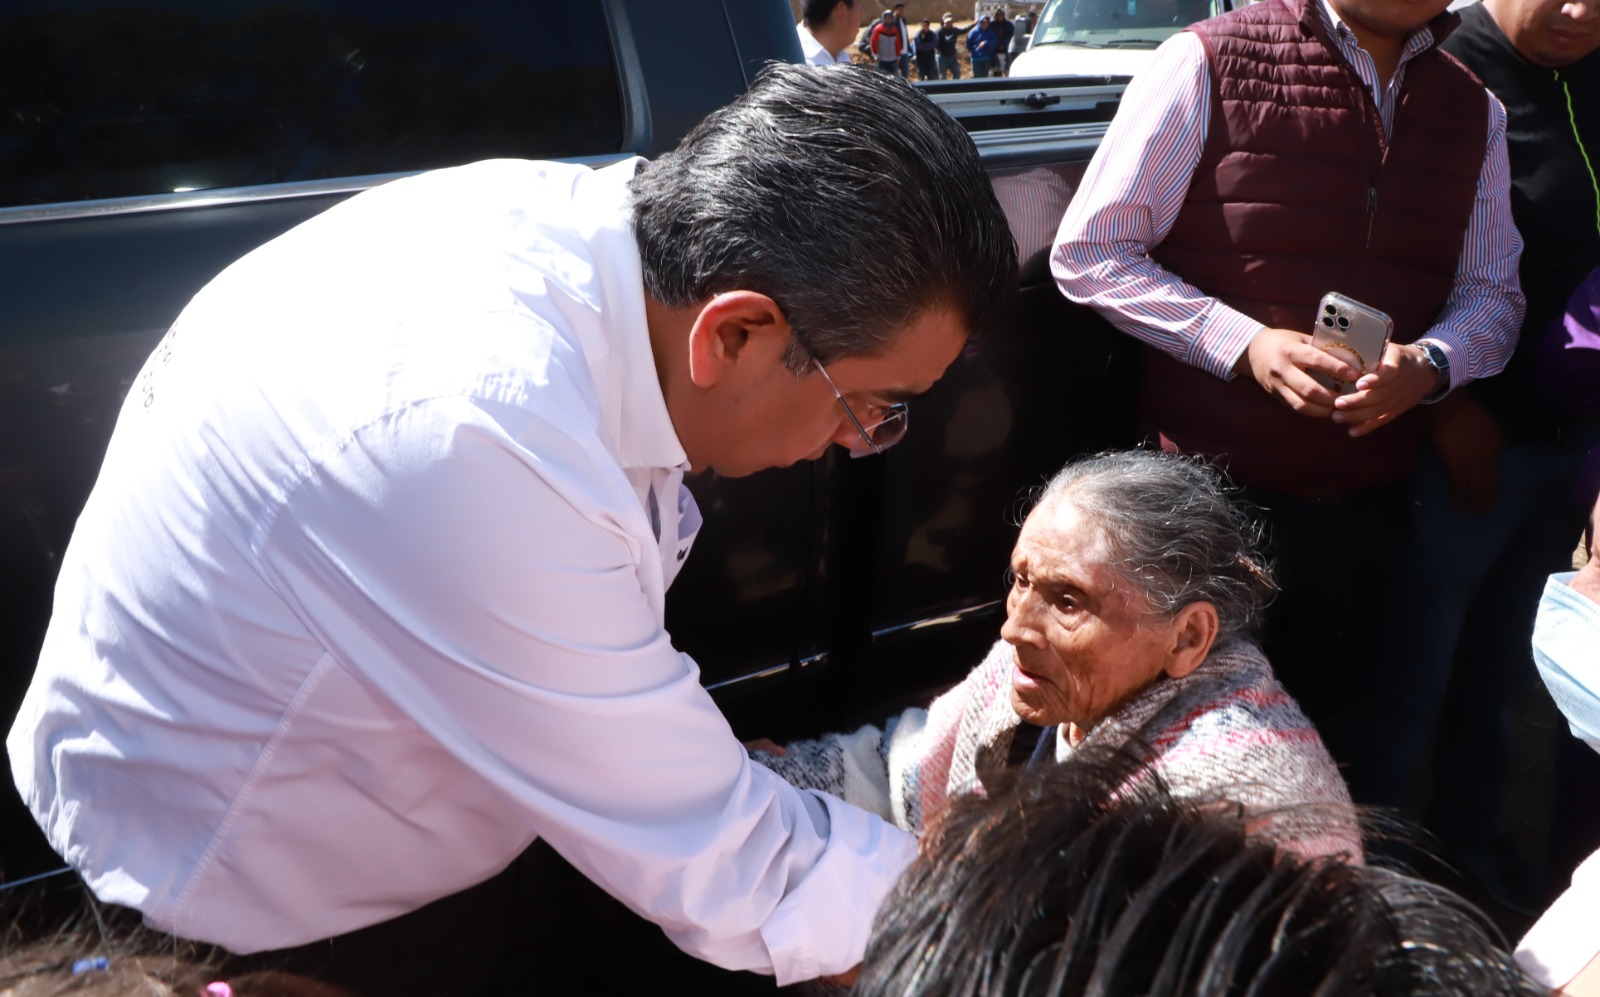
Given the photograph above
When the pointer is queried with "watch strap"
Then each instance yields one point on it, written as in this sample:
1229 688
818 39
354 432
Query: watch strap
1436 357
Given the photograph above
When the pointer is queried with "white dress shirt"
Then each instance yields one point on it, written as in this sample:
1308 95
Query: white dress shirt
369 594
815 54
1139 177
1566 938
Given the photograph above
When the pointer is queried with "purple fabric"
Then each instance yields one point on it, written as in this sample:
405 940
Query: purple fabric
1569 371
1569 354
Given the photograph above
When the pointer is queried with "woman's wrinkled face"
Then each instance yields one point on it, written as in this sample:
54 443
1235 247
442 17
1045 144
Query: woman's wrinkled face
1083 639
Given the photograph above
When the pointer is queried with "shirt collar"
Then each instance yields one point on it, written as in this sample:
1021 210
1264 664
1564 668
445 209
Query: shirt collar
809 46
633 406
1417 41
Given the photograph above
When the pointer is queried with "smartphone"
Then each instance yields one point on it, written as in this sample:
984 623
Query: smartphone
1353 332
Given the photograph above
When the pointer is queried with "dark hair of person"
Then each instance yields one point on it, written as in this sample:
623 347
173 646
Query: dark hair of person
818 11
843 194
1176 529
1080 879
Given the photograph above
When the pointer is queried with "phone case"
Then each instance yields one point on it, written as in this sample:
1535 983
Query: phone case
1353 332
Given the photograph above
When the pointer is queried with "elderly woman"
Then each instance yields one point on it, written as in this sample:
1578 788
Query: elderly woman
1137 589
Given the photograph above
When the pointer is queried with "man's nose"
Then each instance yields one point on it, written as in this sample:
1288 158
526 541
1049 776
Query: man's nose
845 436
1584 10
845 433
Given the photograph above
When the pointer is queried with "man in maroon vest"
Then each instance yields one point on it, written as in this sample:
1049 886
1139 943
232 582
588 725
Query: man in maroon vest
1265 158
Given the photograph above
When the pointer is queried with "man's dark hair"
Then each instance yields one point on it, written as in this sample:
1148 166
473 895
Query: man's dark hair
802 190
1091 878
818 11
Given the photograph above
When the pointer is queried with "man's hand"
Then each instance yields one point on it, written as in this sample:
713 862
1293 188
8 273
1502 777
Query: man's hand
1469 441
1404 377
845 979
1586 983
1279 359
767 745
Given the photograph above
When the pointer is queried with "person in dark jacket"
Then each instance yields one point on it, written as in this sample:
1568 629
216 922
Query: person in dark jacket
945 48
1004 31
1494 510
924 46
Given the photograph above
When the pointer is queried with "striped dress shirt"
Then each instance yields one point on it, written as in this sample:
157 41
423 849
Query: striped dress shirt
1139 178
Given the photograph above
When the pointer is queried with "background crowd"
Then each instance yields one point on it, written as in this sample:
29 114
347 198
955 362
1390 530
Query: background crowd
915 43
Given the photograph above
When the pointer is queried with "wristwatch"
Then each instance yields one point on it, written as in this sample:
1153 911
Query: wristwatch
1434 354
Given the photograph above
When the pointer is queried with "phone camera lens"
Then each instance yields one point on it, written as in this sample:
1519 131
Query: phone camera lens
1327 321
1329 309
1344 323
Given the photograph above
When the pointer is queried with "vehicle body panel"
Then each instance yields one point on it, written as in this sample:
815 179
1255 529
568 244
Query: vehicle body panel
1107 37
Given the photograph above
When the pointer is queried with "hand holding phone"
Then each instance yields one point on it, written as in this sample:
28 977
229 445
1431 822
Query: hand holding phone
1355 333
1281 360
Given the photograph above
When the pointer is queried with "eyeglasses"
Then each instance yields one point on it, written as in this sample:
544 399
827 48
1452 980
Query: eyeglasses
879 436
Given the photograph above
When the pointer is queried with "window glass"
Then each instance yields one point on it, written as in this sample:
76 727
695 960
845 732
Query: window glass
1117 23
117 99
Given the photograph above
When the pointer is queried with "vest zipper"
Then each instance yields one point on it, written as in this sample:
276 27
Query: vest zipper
1572 119
1372 212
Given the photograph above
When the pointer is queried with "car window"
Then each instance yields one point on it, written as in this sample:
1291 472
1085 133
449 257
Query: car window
109 98
1116 23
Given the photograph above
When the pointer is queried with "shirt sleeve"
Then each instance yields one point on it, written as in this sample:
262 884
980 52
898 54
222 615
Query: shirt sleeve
1563 941
485 577
1482 317
1131 194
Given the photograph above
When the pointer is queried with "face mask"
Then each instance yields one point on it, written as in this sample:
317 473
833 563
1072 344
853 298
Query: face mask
1566 647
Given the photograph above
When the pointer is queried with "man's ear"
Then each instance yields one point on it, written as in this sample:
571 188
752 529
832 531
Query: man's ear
734 328
1193 632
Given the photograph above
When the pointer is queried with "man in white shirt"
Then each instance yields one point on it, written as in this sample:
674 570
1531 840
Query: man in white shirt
369 594
826 29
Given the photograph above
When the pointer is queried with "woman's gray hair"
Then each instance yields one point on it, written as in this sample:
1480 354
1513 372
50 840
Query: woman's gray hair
1175 529
843 194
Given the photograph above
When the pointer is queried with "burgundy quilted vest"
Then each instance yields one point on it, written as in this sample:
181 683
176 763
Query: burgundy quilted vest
1297 194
